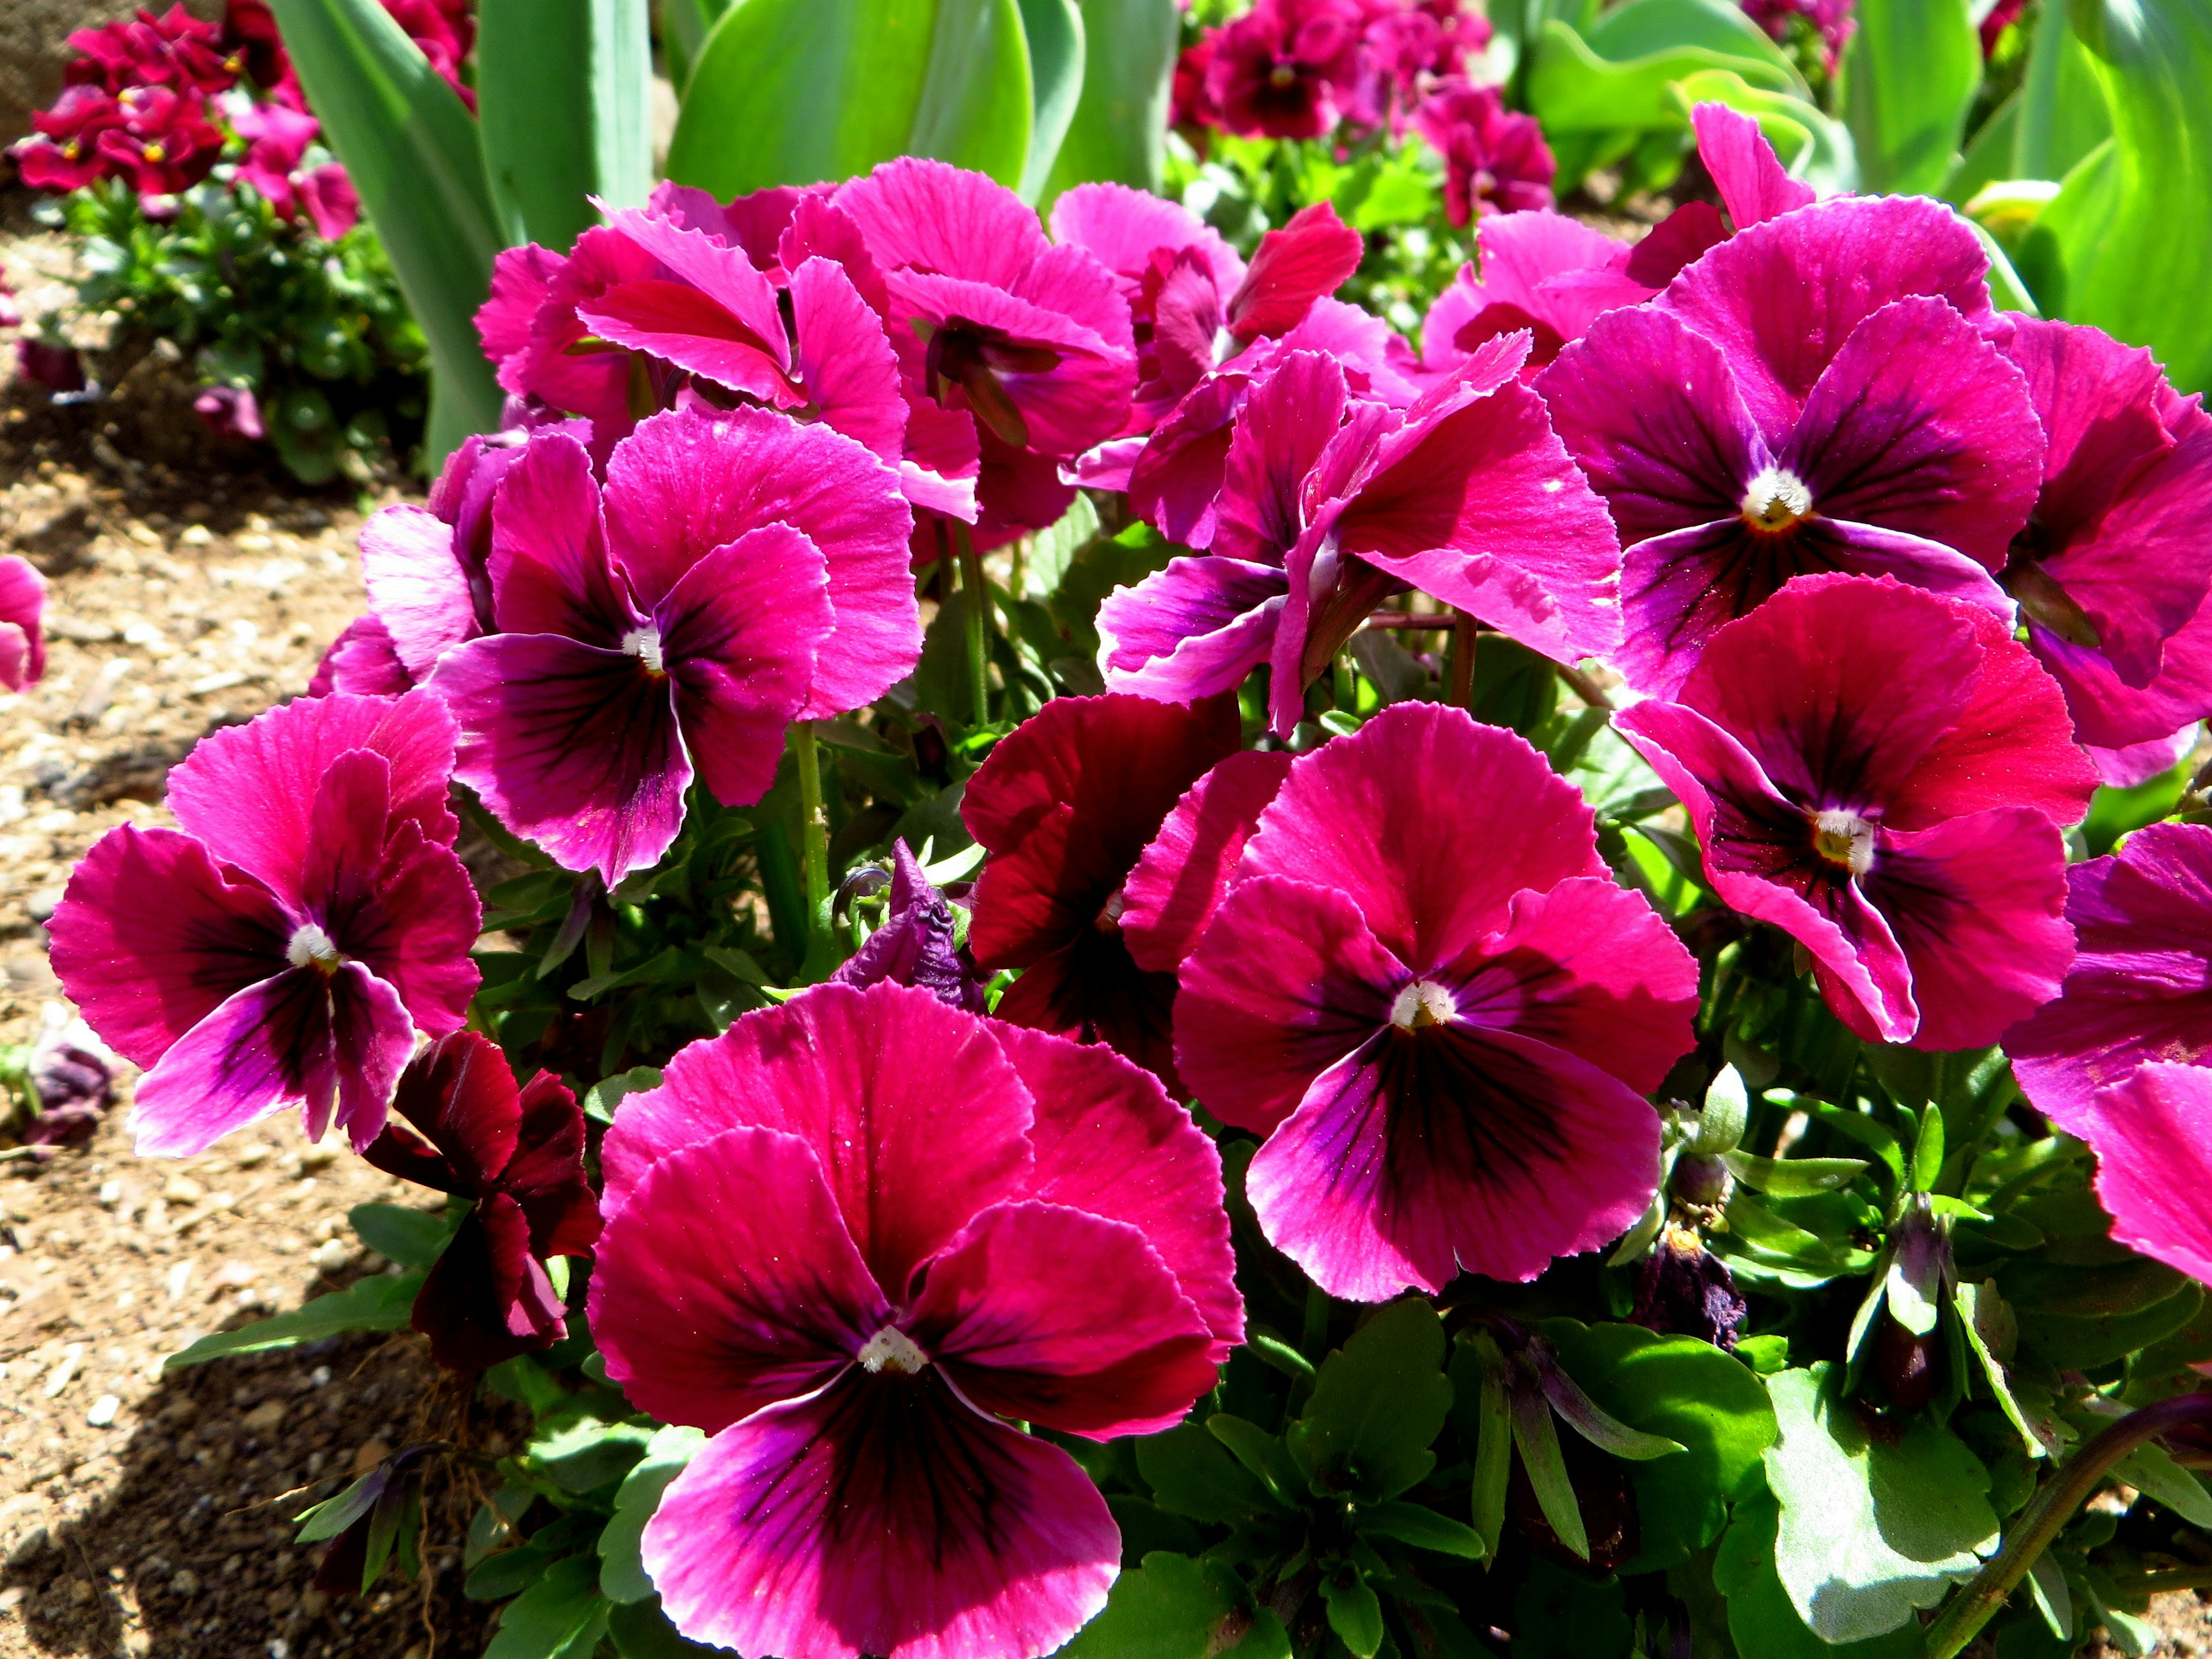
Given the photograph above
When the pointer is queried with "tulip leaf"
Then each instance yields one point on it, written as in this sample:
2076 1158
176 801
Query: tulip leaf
411 148
1053 32
621 1570
794 92
564 93
562 1616
684 27
1871 1530
2064 115
1910 75
379 1302
1379 1403
1118 130
413 1238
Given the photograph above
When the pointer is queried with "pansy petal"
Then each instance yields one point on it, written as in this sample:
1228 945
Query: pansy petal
2150 1133
1456 1148
1743 166
417 929
520 277
1179 882
569 745
22 607
1121 228
459 1094
361 662
698 333
417 587
1088 989
730 1282
936 217
549 573
725 273
1308 259
1293 413
848 367
485 1299
1193 629
882 1516
1109 1141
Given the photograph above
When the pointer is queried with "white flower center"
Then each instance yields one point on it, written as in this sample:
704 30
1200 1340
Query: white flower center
1423 1003
311 947
644 644
1776 499
1844 838
893 1349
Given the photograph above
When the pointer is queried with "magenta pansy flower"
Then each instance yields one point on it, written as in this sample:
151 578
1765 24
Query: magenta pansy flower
848 1238
519 1154
1286 69
2112 569
1753 185
285 944
1813 394
2152 1133
2140 989
1329 504
22 633
1065 804
1543 272
737 572
1496 159
1882 774
1446 1055
1178 882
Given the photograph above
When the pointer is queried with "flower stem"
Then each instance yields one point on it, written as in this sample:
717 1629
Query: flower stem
976 613
1463 659
814 841
2049 1510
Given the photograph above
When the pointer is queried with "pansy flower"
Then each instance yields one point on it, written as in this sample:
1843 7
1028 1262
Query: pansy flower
2112 569
62 153
848 1238
22 634
519 1155
1065 804
2152 1133
1813 394
285 944
1541 271
2140 989
1882 774
736 573
1495 159
1750 179
1447 1055
1286 69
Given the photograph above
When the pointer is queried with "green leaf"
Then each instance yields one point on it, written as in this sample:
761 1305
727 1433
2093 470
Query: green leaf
1170 1608
607 1093
1355 1612
1422 1528
1192 1472
1727 1110
1119 131
582 1448
381 1303
1054 31
1983 1320
1871 1531
1909 76
2151 1470
1561 1614
1794 1177
2117 812
1690 1392
1485 1424
794 92
410 148
564 91
334 1515
413 1238
1592 1421
640 1630
2064 115
1538 1442
621 1570
2084 1344
1379 1405
1813 145
562 1616
1261 1453
1759 1614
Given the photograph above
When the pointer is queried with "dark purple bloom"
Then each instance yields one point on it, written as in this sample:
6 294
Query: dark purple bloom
519 1155
914 945
1683 1288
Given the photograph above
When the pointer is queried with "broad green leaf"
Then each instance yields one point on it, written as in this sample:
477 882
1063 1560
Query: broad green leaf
683 27
1691 1392
1191 1472
1759 1614
1794 1177
1355 1612
1983 1320
2083 1344
1422 1528
583 1444
2117 812
1119 131
795 92
1173 1608
2046 1585
1378 1406
607 1094
1909 76
413 1238
2115 250
1989 155
1871 1531
381 1303
1097 570
1053 30
2064 115
564 91
622 1571
1643 28
640 1630
1261 1453
562 1616
410 147
2151 1470
2056 1283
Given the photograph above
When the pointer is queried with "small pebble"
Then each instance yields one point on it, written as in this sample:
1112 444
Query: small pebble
103 1410
264 1418
186 1583
65 1372
111 1194
30 1546
183 1189
331 1256
320 1155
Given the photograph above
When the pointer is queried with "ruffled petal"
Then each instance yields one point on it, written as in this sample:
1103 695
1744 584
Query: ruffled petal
1744 167
1179 882
935 217
2150 1133
1193 629
417 587
549 570
1293 413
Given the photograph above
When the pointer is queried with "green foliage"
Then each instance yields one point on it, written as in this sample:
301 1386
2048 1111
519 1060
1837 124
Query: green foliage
562 1616
1379 1405
1118 131
376 1303
1908 77
564 90
413 1238
622 1571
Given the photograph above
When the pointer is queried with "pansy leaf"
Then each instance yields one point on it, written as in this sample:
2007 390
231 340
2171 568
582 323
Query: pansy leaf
380 1303
1422 1528
1692 1394
582 1444
1592 1421
1761 1617
1261 1453
2046 1586
412 1237
1486 1425
562 1616
1355 1612
1983 1320
1871 1530
1379 1405
1794 1177
640 1630
2153 1472
334 1515
606 1095
2070 1343
1192 1472
1537 1440
1878 1137
1174 1607
621 1570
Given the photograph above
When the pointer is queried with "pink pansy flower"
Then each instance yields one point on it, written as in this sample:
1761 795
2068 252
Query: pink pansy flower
1331 503
1496 159
287 943
1447 1055
329 199
2113 569
277 139
230 412
1753 187
1179 880
2141 986
165 143
22 636
1813 394
848 1238
1543 272
1882 774
1287 69
736 573
2152 1133
62 152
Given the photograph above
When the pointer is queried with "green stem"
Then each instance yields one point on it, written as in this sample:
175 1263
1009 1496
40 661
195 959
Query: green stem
2049 1510
1462 659
813 839
976 614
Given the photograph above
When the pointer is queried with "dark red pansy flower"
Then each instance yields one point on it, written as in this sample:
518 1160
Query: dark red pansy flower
519 1153
1066 805
1286 69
